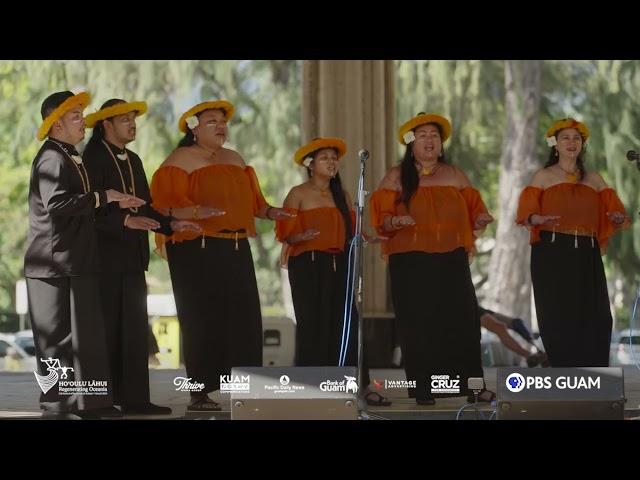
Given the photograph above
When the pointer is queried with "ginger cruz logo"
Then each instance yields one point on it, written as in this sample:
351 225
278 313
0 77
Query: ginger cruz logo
46 382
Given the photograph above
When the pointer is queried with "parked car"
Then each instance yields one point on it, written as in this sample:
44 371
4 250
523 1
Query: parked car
24 338
13 357
628 347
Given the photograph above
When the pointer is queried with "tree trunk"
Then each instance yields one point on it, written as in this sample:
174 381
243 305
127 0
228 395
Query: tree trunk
509 285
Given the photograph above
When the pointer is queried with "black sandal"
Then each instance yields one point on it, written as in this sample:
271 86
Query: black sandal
203 404
374 399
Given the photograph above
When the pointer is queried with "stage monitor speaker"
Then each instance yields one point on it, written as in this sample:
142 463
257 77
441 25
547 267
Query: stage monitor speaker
293 393
595 393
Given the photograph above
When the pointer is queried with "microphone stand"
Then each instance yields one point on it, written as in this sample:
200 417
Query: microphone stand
357 279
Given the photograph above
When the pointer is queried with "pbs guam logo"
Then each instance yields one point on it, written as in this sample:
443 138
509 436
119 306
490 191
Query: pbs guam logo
515 382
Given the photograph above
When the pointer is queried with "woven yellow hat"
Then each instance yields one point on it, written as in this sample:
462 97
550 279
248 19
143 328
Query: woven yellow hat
568 123
224 105
421 119
317 144
118 109
82 99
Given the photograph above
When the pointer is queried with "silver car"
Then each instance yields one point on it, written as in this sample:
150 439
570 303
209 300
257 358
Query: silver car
628 347
13 357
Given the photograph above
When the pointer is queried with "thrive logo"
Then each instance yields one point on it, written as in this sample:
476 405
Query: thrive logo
348 385
46 382
515 382
184 384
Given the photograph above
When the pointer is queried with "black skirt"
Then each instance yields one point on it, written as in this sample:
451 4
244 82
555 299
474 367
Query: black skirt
218 307
436 309
318 291
572 301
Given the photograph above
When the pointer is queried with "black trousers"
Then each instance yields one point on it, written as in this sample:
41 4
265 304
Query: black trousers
124 308
218 307
572 300
318 291
436 309
67 325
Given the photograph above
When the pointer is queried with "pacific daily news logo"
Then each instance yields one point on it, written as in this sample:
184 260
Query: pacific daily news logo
516 382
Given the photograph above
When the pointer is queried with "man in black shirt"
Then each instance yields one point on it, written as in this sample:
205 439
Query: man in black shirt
61 264
124 251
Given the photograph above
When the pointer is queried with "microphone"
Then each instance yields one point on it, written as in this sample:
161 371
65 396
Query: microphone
632 155
363 154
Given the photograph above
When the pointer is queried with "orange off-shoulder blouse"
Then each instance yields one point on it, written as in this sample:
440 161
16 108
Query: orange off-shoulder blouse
582 210
444 217
327 220
228 187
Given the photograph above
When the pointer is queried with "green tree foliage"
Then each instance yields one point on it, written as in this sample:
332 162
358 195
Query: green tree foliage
265 131
602 93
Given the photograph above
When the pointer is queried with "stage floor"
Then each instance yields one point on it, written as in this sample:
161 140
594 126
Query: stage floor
19 398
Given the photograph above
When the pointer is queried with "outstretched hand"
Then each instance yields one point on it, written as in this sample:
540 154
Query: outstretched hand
275 213
482 221
185 226
616 217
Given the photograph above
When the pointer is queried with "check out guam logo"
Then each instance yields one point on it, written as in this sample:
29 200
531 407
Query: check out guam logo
515 382
46 382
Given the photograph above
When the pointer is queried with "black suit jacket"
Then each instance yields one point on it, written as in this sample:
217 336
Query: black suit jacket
62 238
121 249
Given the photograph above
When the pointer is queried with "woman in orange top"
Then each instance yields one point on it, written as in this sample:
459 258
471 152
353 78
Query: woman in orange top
571 214
430 210
212 272
315 251
314 244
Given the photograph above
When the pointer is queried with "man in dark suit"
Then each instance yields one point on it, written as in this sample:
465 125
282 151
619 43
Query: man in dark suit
124 251
61 265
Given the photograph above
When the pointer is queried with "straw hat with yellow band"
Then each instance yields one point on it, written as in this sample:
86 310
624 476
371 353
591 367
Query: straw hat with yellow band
305 151
118 109
223 105
566 123
81 99
421 119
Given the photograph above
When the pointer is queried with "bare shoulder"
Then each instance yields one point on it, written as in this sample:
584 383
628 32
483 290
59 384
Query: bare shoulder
294 197
460 177
391 180
178 158
541 178
231 156
594 179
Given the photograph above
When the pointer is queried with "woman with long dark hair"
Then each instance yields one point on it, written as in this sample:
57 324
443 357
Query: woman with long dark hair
571 213
430 211
212 272
316 252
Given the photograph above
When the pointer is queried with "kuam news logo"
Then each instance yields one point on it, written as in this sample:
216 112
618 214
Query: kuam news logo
516 382
235 383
